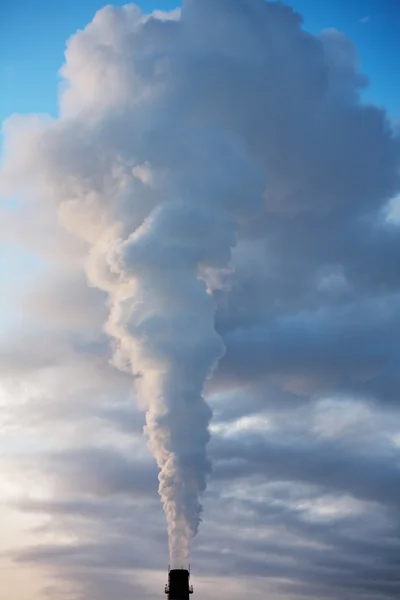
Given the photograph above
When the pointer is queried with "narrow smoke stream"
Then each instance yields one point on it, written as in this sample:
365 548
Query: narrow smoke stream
173 345
162 314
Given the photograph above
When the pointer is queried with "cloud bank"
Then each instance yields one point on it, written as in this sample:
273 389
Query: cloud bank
219 209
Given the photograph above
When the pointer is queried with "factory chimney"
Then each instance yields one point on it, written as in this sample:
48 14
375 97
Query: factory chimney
178 587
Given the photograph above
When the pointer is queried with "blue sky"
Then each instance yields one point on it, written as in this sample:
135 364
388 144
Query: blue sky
33 35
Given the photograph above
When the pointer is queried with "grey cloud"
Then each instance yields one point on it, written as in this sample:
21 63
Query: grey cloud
273 538
103 472
348 347
78 577
66 301
373 478
110 556
123 417
103 585
331 552
57 389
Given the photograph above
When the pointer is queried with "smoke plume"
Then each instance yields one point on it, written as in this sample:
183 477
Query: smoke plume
182 136
162 312
156 198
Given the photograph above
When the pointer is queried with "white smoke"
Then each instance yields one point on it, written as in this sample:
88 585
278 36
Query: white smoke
168 126
162 314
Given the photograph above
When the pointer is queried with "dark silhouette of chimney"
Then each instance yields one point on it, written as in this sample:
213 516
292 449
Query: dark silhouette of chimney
178 587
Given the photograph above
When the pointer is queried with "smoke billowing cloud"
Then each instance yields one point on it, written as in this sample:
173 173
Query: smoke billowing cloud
231 201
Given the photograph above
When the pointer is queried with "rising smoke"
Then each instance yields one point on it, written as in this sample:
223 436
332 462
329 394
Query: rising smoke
178 135
162 312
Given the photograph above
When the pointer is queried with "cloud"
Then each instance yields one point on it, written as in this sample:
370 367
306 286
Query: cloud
223 141
371 479
102 471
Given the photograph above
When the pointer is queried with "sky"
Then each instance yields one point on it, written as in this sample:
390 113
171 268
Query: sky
199 238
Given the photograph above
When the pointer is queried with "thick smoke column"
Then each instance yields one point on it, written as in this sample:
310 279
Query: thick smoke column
183 136
162 314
